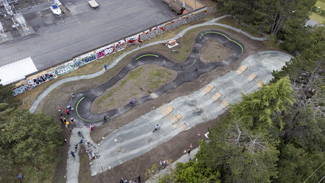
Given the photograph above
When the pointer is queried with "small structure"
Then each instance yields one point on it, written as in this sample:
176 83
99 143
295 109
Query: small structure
251 77
93 4
172 43
4 36
224 104
216 96
176 118
241 69
16 71
208 89
167 111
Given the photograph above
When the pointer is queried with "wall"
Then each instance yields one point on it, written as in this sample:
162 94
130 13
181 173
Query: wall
107 50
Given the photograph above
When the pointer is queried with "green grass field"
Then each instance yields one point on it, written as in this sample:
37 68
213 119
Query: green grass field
321 4
318 18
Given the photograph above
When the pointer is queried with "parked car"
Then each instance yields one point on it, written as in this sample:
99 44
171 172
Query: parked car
55 9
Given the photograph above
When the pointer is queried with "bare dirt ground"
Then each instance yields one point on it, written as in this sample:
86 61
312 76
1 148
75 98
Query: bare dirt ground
135 85
214 51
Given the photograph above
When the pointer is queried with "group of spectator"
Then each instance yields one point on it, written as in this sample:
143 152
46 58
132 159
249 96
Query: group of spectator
122 180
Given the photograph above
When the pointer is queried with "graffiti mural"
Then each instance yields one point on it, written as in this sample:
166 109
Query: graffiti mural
105 51
109 49
65 69
44 78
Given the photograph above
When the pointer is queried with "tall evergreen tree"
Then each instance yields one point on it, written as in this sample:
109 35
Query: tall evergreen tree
31 137
263 108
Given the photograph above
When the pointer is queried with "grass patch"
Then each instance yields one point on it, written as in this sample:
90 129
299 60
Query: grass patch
155 77
123 82
318 18
136 74
127 97
112 102
108 95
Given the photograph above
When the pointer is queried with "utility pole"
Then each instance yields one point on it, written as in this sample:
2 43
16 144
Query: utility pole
184 3
194 4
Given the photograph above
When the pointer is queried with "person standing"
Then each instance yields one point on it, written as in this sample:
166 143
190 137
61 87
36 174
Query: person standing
61 119
67 111
91 128
156 128
20 176
67 124
105 67
72 153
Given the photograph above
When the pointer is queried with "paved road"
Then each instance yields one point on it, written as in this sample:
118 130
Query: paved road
83 30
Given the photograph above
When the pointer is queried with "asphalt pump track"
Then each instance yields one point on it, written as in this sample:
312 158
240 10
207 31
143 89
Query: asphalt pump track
190 71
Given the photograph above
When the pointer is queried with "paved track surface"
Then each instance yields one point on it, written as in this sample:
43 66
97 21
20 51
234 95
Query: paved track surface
137 138
84 29
187 73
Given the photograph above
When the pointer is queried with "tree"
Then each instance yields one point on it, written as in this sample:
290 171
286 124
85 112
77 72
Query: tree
296 165
7 170
195 172
31 137
5 93
305 66
269 16
263 109
240 154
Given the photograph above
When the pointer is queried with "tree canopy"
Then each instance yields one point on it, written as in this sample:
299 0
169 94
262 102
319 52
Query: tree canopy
28 142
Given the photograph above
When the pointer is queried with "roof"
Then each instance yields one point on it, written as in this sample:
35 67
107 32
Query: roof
93 3
16 71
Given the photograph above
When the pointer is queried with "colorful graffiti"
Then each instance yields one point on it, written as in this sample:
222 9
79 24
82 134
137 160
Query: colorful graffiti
108 50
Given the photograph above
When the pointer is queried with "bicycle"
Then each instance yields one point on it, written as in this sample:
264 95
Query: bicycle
80 134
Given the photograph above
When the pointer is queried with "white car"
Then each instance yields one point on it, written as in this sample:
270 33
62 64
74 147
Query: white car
55 9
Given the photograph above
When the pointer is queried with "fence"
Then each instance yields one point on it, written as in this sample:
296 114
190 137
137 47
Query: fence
40 78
